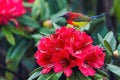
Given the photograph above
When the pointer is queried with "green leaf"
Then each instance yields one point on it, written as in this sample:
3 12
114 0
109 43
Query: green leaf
72 77
118 48
18 31
102 73
80 76
108 47
113 68
62 4
46 76
98 27
111 40
36 70
26 20
36 9
108 58
14 55
98 76
56 26
34 75
46 31
100 39
37 36
55 18
57 76
40 7
45 14
9 36
1 34
50 76
26 4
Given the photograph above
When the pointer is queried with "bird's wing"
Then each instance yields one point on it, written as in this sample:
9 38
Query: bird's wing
82 18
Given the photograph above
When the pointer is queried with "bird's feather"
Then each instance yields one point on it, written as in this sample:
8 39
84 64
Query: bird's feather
82 19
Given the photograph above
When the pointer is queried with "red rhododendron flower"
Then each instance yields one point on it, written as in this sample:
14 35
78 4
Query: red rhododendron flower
66 49
63 62
10 9
93 58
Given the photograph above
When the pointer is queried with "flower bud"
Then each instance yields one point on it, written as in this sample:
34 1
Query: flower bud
47 24
116 54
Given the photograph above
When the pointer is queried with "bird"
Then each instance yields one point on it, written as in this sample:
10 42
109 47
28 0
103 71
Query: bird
78 19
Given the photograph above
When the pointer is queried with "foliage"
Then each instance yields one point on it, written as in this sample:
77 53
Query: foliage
18 44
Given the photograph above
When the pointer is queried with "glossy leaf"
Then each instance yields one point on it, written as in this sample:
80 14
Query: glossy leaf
34 75
114 69
18 31
26 4
72 77
50 76
26 20
102 73
62 4
56 26
100 39
37 7
57 76
40 7
111 40
9 36
118 48
108 47
37 36
55 18
98 76
36 70
80 76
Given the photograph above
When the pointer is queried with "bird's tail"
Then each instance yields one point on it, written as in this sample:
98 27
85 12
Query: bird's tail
98 16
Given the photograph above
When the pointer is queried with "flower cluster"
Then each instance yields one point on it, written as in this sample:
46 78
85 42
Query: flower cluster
10 9
69 48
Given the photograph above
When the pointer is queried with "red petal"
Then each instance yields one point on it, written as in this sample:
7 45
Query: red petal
68 71
46 70
58 68
87 70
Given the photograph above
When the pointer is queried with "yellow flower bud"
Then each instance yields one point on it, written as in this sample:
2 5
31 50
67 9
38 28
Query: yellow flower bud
47 24
116 54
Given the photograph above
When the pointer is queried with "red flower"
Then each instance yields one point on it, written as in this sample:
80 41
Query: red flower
43 59
93 58
10 9
66 49
63 62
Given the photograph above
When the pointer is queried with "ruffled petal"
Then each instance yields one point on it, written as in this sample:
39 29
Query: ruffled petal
87 70
46 70
68 71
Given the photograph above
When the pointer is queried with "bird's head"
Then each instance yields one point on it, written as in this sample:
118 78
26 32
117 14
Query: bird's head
70 15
